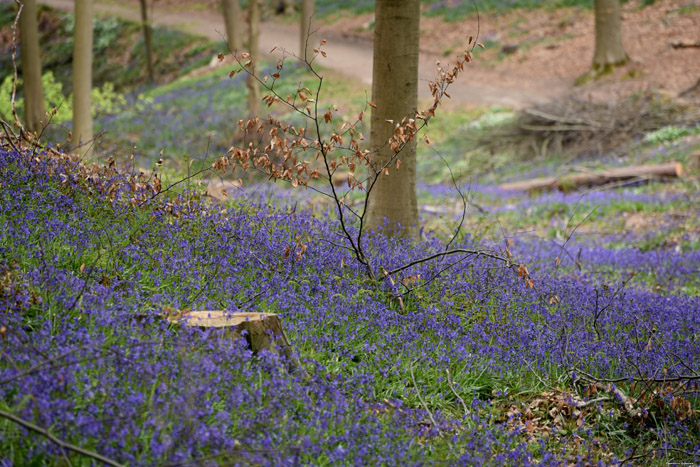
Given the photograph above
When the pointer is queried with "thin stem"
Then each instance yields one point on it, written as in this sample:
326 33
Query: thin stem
58 442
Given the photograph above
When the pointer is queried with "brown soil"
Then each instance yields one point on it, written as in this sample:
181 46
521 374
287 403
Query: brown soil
557 45
551 48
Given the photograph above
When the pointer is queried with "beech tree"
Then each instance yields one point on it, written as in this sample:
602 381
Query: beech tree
34 109
254 50
609 51
395 94
233 17
147 40
306 45
82 74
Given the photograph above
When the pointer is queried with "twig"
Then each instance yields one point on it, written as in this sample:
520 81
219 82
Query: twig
425 406
456 251
58 442
544 383
172 185
593 401
14 67
610 388
452 388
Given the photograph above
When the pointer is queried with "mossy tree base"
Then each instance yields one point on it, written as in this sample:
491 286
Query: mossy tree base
598 71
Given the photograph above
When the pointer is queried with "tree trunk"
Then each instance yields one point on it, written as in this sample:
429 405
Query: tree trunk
254 50
609 51
82 76
306 47
147 40
34 109
395 94
233 17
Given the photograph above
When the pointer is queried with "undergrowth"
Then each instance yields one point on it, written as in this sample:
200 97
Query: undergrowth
88 357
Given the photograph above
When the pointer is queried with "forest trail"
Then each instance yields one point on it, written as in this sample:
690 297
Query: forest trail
348 56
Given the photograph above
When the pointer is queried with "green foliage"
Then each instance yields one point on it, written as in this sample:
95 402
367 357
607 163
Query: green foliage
118 52
106 30
104 101
669 134
53 97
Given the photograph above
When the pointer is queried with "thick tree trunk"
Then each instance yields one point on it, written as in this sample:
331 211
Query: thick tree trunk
570 182
395 93
34 109
609 51
147 40
233 17
306 46
82 76
254 50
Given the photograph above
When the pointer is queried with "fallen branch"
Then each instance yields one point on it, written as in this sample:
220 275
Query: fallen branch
60 443
685 45
570 182
420 398
610 388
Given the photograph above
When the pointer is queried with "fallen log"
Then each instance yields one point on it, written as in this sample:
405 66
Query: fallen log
262 331
573 181
685 45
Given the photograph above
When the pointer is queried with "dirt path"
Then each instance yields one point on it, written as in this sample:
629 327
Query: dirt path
350 57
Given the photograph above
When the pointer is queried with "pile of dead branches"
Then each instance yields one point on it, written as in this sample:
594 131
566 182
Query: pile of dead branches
573 126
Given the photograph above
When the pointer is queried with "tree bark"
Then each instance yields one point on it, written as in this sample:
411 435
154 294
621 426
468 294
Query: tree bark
82 76
395 94
34 110
306 45
147 40
569 182
233 17
254 50
609 51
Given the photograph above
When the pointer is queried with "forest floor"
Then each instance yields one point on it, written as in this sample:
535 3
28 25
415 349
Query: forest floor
458 362
531 56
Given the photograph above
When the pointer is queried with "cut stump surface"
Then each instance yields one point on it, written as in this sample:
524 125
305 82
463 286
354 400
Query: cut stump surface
262 331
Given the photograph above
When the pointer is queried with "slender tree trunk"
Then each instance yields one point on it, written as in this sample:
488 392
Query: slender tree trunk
233 17
609 51
82 75
254 48
395 93
147 40
34 109
306 47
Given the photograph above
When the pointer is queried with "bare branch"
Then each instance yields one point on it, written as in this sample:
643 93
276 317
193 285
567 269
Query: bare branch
58 442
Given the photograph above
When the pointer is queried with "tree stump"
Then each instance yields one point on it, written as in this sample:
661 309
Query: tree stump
262 331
